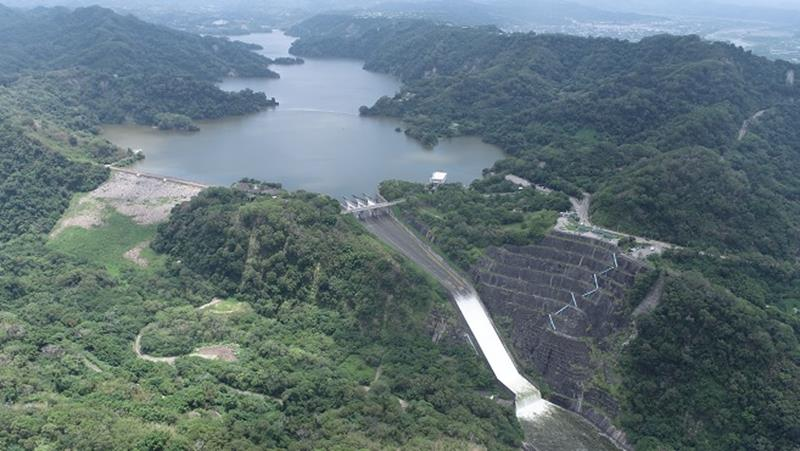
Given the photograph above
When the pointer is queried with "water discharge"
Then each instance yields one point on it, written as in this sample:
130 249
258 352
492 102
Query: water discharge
492 347
547 426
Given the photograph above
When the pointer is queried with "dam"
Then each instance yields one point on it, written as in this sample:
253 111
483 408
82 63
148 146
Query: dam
547 427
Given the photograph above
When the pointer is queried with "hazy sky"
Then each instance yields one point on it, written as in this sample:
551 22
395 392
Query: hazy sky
769 3
637 5
619 5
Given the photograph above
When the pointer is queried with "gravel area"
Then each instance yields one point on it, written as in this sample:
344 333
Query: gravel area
224 353
135 255
146 199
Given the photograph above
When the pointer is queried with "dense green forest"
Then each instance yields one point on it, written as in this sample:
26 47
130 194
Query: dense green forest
608 117
49 39
90 66
336 351
712 371
463 222
37 184
653 130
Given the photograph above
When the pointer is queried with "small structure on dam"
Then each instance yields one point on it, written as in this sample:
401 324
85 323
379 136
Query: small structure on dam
366 206
438 178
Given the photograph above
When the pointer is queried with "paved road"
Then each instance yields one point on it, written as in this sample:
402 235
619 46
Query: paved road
392 232
644 249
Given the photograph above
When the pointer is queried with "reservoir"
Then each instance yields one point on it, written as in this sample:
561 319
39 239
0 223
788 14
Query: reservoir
315 140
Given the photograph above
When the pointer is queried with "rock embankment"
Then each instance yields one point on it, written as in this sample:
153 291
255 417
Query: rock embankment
562 300
146 199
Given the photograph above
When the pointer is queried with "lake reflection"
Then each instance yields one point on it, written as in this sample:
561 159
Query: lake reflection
314 140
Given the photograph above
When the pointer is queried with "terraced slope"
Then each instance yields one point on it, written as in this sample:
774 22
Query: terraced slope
562 300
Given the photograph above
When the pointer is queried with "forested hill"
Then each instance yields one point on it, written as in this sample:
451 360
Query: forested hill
84 67
98 39
64 73
650 128
331 341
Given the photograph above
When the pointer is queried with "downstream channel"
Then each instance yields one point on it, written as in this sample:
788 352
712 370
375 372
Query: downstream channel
547 427
314 140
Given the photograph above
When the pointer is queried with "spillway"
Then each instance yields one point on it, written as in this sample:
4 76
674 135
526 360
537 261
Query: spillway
547 426
493 349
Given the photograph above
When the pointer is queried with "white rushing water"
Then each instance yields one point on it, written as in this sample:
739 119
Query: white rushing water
546 426
529 400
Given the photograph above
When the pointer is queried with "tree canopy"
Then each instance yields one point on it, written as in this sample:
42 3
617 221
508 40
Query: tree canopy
611 117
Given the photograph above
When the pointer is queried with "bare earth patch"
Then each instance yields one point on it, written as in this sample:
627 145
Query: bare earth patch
224 353
213 302
135 255
87 213
146 199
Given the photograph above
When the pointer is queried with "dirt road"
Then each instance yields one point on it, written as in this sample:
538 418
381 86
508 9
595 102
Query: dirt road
137 348
748 123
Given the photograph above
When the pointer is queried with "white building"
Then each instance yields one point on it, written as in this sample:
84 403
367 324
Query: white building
438 178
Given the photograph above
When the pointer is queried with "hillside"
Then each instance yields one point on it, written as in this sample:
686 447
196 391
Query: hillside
85 67
65 73
36 184
685 342
46 39
601 116
331 340
653 130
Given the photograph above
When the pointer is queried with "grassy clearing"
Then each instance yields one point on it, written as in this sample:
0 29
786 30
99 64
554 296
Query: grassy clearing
106 244
84 211
539 222
227 306
356 369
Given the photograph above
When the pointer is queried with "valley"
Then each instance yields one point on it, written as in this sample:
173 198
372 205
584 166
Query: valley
610 265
